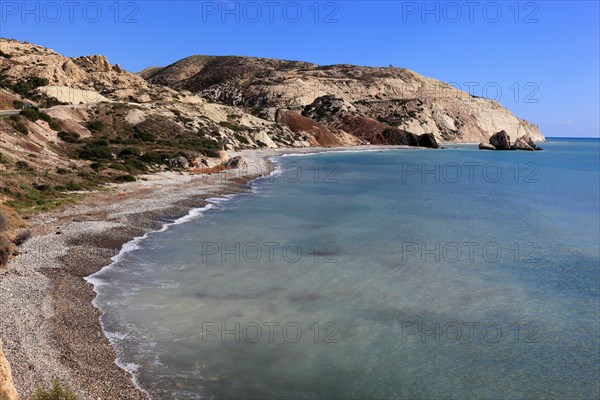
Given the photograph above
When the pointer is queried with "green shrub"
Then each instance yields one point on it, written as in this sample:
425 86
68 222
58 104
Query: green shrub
26 88
241 139
84 174
23 165
72 186
145 137
125 178
62 171
51 102
153 157
210 153
135 165
98 141
231 126
95 152
54 126
18 124
18 104
118 167
56 393
3 54
69 137
43 116
129 151
30 113
95 126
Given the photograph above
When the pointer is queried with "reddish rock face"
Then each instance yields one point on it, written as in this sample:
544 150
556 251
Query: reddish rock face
322 136
364 128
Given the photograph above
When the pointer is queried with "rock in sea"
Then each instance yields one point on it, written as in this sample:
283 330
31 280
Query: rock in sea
500 140
486 146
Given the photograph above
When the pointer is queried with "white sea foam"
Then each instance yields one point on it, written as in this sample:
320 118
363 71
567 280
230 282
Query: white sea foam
97 282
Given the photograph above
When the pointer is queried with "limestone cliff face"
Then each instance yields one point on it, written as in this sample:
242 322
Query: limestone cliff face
398 97
7 387
93 88
89 72
237 103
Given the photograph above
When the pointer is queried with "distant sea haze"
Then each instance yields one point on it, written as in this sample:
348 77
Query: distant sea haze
411 274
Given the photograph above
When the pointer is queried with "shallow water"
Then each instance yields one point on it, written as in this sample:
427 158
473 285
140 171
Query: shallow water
405 274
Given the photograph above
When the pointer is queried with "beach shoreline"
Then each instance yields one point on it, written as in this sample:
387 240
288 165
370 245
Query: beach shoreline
48 323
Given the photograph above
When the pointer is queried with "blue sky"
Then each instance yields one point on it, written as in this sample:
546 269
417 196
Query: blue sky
538 58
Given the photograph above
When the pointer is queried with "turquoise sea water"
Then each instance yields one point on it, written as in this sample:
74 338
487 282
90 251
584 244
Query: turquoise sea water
405 274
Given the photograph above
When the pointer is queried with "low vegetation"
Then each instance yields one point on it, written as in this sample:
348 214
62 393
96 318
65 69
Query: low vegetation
116 151
24 87
233 127
19 124
95 126
34 113
69 137
27 89
57 392
10 222
241 139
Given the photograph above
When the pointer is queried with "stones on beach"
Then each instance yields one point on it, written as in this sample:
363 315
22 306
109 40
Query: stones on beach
179 162
235 162
501 141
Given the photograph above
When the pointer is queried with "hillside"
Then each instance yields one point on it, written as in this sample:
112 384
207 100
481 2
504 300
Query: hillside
396 97
94 123
73 124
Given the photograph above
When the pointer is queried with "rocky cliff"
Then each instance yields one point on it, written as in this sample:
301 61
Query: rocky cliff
85 121
7 387
399 98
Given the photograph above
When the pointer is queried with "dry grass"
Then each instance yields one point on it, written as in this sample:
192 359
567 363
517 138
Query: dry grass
13 221
9 223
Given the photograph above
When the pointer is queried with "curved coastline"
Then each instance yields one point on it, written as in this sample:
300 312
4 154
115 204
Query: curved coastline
275 169
60 333
97 282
